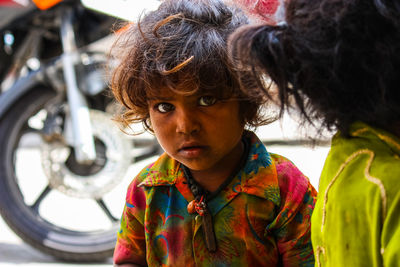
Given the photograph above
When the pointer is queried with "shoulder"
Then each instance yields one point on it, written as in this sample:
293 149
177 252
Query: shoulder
286 169
273 176
161 172
365 165
292 182
297 199
365 138
368 151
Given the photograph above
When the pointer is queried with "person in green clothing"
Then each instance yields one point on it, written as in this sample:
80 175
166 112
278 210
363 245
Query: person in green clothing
338 61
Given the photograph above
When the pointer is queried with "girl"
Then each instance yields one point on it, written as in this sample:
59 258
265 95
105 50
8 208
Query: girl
216 197
339 61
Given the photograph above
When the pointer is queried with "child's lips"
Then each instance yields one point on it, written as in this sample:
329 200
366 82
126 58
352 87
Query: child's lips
191 151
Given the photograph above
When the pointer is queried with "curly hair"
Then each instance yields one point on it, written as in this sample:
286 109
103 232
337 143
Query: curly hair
183 42
335 60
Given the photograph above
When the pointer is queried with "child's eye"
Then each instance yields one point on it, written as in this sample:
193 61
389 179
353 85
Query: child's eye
164 107
207 100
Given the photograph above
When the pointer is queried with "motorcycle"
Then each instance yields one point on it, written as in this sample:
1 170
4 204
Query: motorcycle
62 159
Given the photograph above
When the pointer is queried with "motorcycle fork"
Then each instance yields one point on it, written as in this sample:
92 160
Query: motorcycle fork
83 141
28 50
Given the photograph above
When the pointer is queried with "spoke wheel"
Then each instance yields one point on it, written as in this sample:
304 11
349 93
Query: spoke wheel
75 221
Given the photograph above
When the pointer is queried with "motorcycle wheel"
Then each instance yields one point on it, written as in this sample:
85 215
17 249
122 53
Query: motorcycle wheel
58 207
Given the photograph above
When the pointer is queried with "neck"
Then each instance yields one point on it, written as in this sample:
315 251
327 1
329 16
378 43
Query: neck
212 178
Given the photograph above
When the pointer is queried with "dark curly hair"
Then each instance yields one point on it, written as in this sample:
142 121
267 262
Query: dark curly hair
336 60
183 42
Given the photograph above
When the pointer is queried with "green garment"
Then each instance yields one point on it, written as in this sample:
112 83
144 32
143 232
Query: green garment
356 221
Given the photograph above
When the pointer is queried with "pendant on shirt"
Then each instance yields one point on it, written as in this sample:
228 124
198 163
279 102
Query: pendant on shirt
197 206
208 228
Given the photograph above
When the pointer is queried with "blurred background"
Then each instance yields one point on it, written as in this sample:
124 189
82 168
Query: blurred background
64 164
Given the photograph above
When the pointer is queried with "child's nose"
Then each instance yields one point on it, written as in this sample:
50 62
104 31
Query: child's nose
187 123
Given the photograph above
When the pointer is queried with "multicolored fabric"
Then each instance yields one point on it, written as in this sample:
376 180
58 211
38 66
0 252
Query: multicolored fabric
356 221
262 218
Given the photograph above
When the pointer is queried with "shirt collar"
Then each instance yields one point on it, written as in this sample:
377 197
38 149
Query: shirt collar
360 129
256 178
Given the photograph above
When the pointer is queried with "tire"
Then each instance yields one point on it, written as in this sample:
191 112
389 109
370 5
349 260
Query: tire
26 215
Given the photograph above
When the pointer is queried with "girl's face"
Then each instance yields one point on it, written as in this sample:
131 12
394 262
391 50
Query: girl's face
200 131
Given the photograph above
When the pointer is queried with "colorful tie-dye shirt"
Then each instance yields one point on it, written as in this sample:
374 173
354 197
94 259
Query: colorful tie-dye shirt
262 218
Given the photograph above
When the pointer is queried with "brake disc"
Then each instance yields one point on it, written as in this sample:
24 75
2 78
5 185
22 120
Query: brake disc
113 150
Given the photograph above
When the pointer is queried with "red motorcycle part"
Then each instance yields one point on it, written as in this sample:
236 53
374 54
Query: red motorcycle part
46 4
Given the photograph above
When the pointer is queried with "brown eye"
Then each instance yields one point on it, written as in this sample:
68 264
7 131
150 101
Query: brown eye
164 107
207 101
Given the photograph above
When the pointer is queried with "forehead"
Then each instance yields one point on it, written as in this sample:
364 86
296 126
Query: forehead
166 94
189 84
185 89
161 93
171 91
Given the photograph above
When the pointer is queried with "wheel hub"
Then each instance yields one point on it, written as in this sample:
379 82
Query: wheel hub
112 161
83 169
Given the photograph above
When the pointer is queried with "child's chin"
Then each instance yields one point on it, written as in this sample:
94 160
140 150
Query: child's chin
196 165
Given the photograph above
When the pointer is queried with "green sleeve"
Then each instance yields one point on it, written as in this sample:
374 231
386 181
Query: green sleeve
391 234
